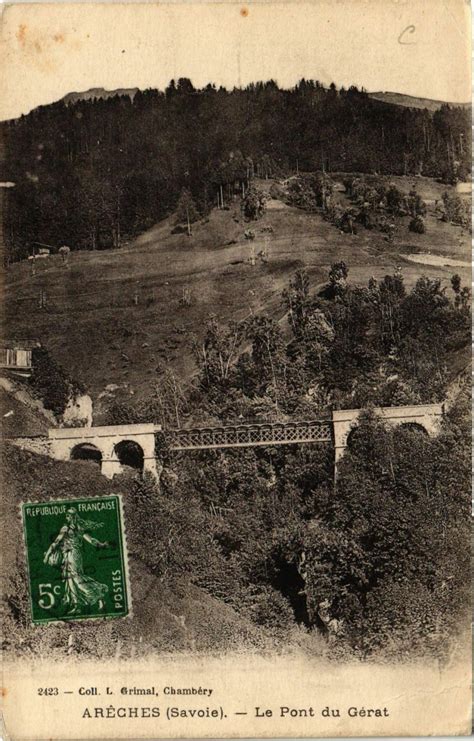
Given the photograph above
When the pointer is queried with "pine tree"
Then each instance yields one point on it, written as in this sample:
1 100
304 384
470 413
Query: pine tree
186 211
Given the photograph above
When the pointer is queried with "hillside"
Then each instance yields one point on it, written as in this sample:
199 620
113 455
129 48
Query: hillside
22 415
166 618
412 101
118 316
97 167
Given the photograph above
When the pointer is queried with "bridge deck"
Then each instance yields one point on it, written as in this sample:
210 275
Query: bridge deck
245 436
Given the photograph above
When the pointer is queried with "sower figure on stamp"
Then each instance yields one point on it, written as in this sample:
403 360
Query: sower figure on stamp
66 551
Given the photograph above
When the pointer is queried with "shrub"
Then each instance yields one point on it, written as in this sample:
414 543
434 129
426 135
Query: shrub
342 217
366 215
120 413
267 607
253 204
415 204
394 200
387 226
310 192
177 538
348 182
456 210
372 200
417 225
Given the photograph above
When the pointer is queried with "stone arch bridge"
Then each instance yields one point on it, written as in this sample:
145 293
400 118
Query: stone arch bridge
113 447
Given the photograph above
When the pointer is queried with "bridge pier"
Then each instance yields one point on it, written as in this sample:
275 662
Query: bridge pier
427 416
112 466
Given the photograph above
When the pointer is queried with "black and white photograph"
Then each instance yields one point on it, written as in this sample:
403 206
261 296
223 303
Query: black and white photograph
236 369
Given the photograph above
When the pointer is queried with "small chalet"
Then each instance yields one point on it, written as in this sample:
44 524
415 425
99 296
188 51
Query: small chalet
15 356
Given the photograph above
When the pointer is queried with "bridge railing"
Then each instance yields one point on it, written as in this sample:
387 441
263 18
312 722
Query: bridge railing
239 436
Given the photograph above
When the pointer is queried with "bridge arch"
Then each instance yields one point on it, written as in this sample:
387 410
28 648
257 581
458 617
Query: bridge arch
415 427
114 446
352 435
426 417
86 452
130 454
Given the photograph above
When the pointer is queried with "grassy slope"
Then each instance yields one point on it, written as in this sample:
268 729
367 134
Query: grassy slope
94 328
21 419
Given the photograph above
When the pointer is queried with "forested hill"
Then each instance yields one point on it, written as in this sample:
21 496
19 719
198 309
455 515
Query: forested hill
91 173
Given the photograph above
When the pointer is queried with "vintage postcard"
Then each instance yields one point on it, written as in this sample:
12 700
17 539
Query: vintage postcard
235 369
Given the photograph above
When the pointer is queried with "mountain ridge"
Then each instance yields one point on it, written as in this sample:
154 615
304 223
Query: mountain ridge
386 96
413 101
98 93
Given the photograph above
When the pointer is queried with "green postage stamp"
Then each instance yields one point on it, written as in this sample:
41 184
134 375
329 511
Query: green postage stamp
76 559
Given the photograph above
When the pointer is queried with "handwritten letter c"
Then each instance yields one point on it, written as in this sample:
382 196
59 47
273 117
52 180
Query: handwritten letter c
408 29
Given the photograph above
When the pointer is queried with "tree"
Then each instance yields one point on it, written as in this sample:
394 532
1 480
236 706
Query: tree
185 86
417 225
394 198
390 554
186 211
389 294
297 301
254 203
217 353
338 278
456 283
53 147
461 295
51 383
171 397
456 210
319 337
415 204
267 350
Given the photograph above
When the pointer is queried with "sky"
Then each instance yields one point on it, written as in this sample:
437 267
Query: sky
417 47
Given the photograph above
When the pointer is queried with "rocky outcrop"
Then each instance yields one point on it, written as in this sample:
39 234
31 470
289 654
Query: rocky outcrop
78 412
40 445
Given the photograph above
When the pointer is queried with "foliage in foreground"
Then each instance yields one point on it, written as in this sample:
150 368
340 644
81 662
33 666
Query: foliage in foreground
379 564
390 553
170 614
